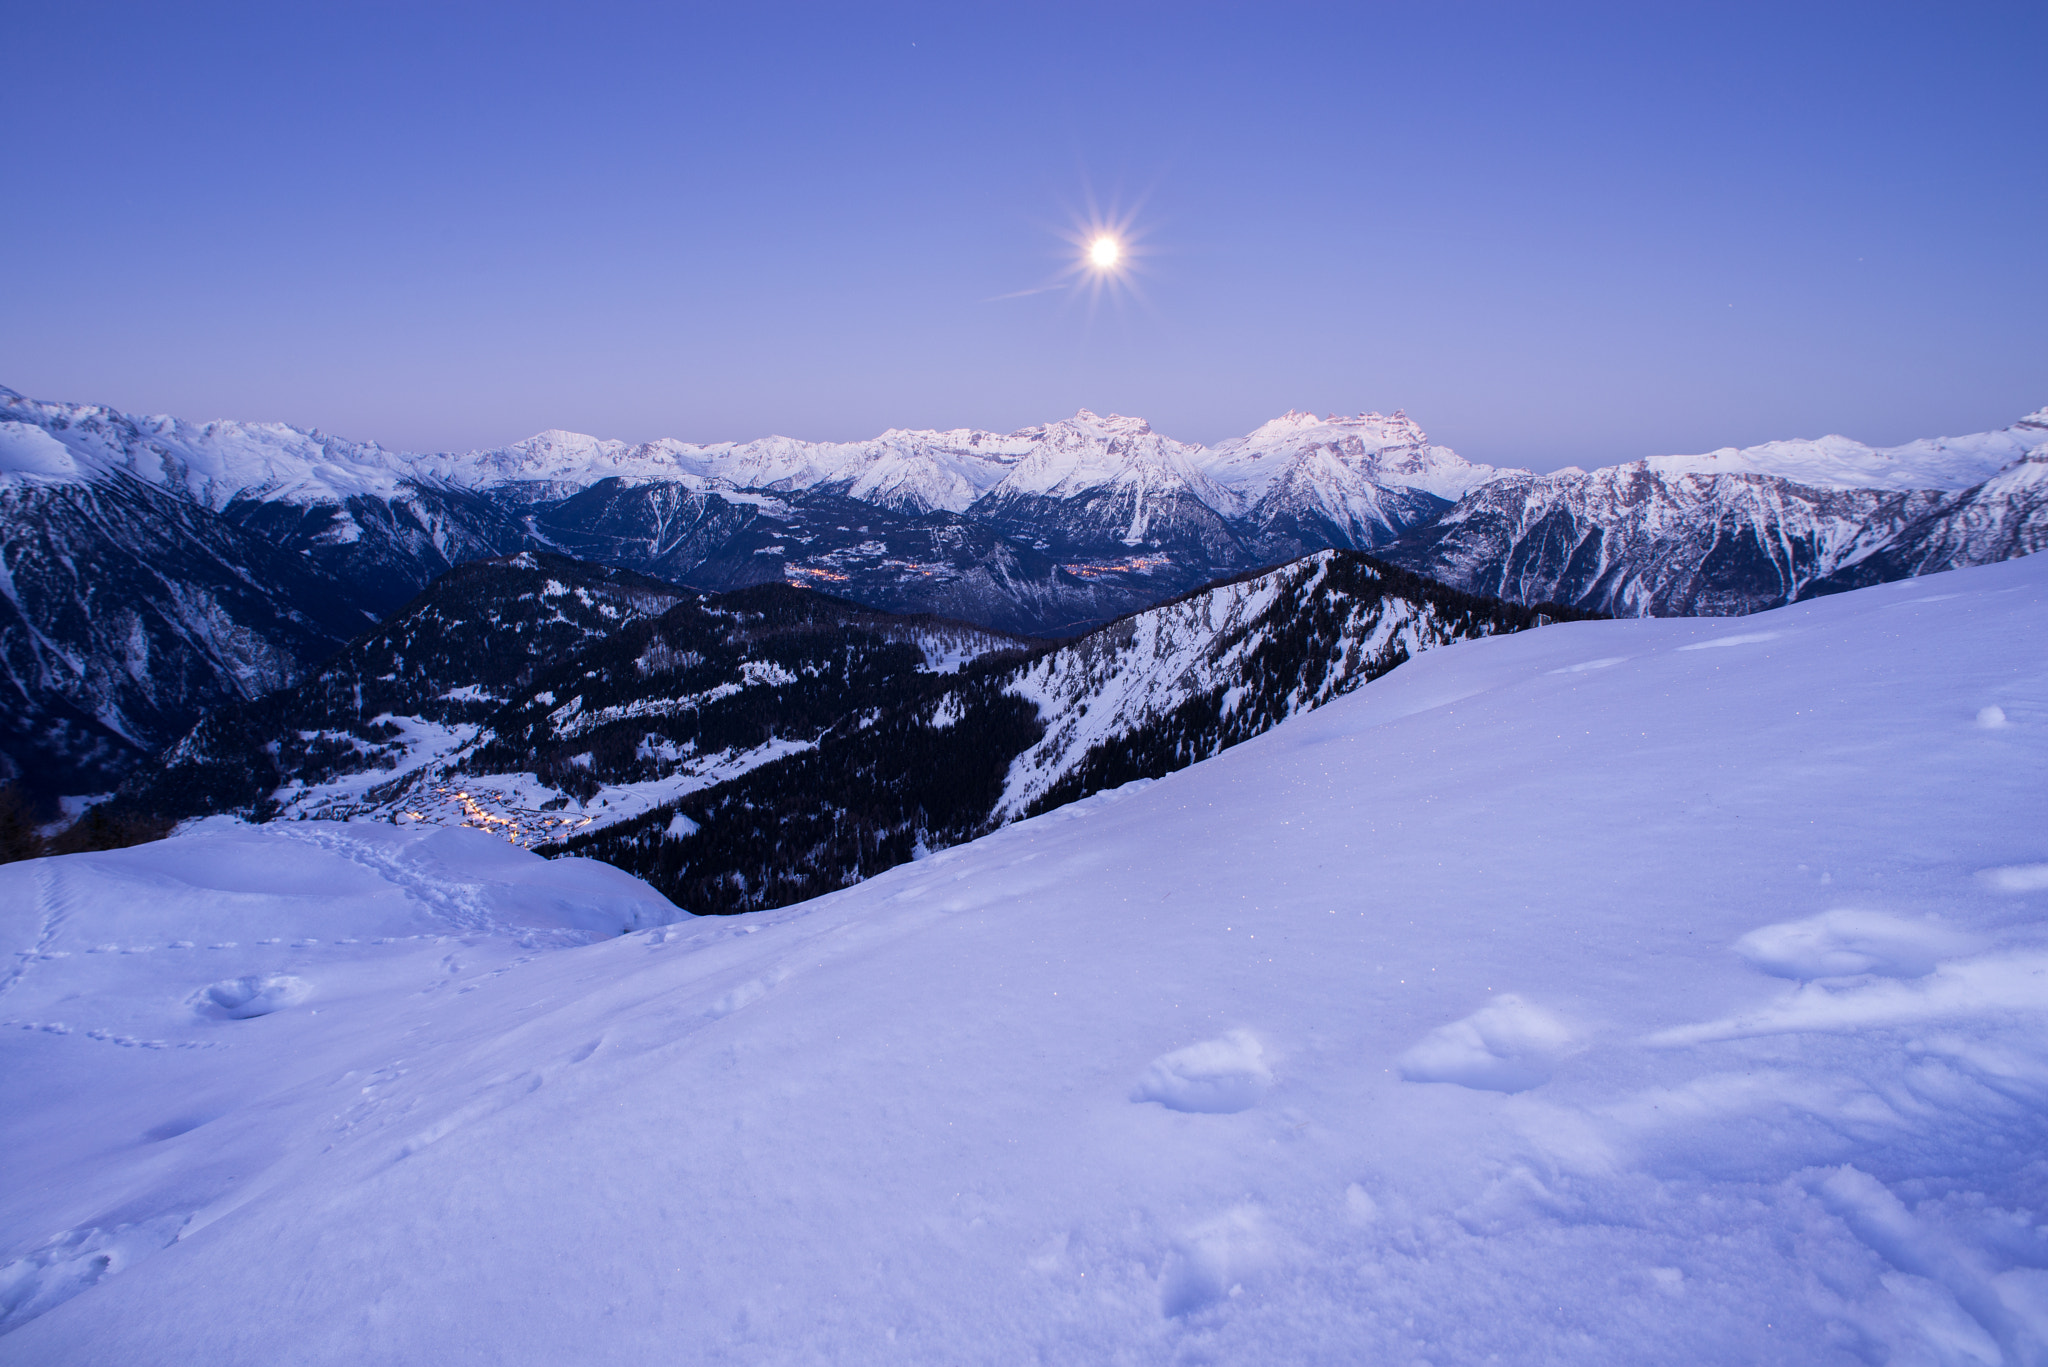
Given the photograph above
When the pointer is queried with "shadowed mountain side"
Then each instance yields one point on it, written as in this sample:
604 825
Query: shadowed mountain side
955 758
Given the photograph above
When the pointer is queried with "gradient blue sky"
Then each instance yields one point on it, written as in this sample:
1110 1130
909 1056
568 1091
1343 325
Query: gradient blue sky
1553 233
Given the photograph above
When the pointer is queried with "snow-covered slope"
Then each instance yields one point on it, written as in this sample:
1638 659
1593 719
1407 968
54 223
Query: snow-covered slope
211 463
1651 990
1184 680
1837 462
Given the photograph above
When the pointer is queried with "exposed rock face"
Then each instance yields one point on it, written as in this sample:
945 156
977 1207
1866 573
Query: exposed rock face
1632 542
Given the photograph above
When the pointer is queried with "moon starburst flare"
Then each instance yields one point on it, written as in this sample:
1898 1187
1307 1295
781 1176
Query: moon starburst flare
1106 258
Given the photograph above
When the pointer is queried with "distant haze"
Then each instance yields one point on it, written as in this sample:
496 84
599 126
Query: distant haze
1554 235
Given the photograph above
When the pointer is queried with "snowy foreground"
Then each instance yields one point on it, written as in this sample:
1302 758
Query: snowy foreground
1620 992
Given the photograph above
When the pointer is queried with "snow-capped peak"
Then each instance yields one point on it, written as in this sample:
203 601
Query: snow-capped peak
212 463
1071 457
1840 462
1375 448
918 469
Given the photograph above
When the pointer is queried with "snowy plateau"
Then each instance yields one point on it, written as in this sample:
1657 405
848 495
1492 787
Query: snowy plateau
1649 990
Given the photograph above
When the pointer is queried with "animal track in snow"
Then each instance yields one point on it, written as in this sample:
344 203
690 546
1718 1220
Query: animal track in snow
1847 942
109 1037
1216 1077
76 1261
1507 1046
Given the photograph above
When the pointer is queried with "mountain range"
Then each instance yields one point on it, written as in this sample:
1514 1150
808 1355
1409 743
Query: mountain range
156 568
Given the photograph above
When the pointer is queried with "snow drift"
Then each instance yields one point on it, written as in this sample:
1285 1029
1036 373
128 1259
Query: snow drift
1569 996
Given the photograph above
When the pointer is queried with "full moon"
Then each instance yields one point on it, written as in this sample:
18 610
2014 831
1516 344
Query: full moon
1104 252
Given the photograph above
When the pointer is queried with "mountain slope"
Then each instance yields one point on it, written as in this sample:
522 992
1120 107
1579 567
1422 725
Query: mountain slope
125 611
760 746
1733 531
1838 462
940 563
400 697
929 766
537 693
2004 517
1620 992
1632 542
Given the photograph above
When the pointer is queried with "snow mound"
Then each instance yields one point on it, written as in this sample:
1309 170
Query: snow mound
1507 1046
1215 1077
1214 1260
257 994
2018 878
1843 943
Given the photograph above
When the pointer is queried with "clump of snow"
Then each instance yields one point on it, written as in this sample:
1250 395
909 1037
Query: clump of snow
257 994
1846 942
1505 1046
1215 1260
1215 1077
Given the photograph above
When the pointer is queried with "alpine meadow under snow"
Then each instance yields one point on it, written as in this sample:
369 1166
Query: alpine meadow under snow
1614 992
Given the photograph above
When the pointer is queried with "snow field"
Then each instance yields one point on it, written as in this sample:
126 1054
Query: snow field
1567 997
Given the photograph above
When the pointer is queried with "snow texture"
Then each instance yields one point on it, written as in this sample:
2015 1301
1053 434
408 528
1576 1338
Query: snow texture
1688 1009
